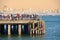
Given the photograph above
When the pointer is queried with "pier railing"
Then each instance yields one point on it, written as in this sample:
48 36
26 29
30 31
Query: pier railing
16 19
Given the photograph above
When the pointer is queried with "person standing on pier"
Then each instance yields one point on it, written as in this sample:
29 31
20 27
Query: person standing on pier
18 16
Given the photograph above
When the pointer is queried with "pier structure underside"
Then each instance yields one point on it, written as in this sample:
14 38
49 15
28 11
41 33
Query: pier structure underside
20 27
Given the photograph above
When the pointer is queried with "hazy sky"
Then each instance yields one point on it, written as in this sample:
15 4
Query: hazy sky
34 4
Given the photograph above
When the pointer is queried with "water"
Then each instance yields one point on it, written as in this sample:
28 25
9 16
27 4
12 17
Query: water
52 29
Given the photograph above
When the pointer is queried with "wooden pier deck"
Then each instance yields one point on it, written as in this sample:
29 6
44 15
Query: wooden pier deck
18 21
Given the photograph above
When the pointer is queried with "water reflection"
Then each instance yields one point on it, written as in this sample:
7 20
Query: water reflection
9 37
37 37
26 37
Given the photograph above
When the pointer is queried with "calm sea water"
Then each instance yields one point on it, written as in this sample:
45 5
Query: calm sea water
52 28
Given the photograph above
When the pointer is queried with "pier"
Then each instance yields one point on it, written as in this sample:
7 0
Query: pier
20 24
31 27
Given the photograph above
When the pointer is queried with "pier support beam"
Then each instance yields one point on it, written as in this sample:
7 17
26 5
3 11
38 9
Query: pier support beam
36 32
33 28
9 32
38 24
43 29
30 29
19 29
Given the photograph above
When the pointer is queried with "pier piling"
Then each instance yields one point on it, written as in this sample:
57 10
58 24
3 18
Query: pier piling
19 29
9 30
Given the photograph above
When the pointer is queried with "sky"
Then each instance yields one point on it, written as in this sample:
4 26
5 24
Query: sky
33 4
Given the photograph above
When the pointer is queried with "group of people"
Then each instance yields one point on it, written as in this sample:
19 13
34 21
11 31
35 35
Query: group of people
19 17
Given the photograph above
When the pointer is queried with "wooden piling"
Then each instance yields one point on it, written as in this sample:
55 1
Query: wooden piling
36 32
19 29
33 28
9 30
